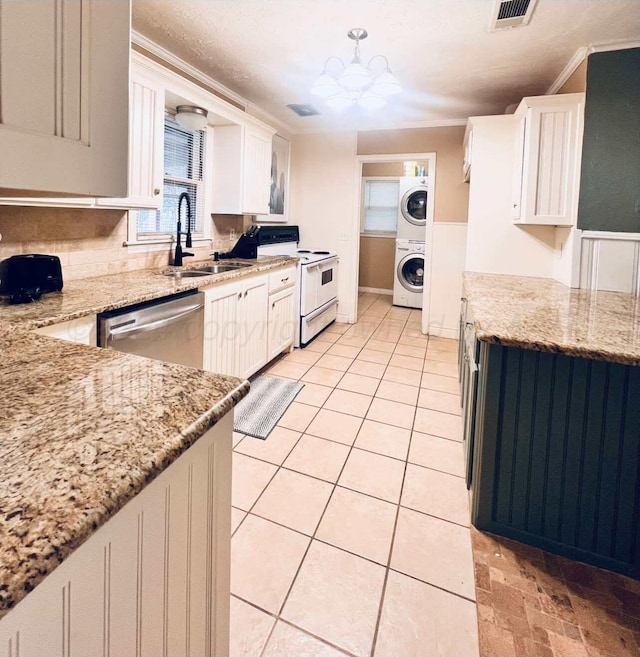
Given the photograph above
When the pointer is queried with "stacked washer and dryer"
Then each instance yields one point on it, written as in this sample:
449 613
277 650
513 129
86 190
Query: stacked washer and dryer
414 215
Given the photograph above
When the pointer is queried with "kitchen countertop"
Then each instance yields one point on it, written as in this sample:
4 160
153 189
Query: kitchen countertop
545 315
90 296
83 430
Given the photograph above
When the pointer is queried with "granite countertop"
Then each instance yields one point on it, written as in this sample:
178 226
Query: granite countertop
90 296
82 429
545 315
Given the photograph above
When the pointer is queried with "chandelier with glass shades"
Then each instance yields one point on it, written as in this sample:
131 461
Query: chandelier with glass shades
356 84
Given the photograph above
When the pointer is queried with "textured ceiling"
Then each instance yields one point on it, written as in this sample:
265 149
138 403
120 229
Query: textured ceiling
450 66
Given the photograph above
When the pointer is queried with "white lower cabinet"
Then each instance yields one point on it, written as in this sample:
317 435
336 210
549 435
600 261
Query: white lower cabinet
282 324
253 326
236 327
154 580
246 326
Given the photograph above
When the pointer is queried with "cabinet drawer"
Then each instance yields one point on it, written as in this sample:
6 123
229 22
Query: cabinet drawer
278 280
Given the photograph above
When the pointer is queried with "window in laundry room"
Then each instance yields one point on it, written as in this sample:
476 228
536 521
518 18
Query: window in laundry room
380 206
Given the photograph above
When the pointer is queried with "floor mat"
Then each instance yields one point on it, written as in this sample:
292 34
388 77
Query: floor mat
266 403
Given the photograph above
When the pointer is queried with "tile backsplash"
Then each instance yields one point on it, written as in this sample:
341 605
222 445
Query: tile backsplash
90 242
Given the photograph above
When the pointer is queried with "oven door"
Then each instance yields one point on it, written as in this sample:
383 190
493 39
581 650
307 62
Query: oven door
319 285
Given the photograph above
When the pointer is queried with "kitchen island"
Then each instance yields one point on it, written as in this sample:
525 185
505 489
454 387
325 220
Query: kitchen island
115 494
551 387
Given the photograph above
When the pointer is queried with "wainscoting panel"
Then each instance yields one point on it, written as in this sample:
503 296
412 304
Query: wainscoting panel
610 261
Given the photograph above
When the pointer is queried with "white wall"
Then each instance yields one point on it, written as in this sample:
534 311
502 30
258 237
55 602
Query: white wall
448 263
494 244
323 185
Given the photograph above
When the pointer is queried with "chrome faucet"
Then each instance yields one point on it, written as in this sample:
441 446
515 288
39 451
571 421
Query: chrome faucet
179 254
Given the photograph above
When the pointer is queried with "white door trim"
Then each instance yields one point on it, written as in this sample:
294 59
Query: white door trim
355 228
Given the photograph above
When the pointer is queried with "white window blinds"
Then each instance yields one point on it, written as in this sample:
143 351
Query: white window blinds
380 206
183 170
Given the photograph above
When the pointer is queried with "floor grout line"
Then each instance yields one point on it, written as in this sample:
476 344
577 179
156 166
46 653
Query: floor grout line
378 322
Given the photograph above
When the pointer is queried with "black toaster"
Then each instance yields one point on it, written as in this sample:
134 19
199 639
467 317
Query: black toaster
26 277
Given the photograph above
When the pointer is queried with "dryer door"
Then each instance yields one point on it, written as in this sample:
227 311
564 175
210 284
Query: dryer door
411 272
414 205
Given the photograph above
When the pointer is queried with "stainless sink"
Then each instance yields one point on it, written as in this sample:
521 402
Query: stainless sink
219 269
193 273
205 271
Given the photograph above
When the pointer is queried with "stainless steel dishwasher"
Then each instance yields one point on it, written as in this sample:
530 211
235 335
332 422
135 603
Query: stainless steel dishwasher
170 329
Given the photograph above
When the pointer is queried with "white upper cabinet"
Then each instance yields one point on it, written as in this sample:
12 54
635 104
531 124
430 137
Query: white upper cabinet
547 163
64 85
242 169
146 143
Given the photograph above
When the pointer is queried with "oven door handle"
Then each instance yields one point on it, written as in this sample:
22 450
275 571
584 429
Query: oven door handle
317 313
151 326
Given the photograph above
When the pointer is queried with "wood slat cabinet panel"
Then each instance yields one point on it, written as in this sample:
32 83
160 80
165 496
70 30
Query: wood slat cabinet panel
154 580
64 84
557 455
548 148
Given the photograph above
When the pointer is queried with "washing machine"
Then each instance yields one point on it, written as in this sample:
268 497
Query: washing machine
408 282
414 208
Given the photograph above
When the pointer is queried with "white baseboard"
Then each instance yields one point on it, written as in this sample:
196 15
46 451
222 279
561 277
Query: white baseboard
443 332
375 290
342 318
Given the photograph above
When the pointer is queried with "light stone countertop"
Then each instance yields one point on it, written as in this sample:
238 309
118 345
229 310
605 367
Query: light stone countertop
545 315
83 430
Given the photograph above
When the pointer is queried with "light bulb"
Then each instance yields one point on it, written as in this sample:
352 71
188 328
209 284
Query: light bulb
339 102
355 76
371 101
325 86
386 84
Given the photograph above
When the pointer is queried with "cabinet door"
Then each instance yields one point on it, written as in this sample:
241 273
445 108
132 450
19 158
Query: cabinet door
253 325
64 84
222 321
282 322
146 146
550 160
256 172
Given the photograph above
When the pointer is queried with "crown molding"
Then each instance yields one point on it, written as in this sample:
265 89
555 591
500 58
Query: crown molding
407 125
580 55
246 105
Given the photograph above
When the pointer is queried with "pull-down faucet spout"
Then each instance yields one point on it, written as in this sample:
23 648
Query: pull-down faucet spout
179 254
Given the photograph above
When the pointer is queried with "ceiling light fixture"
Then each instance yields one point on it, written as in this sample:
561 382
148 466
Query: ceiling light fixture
355 83
191 117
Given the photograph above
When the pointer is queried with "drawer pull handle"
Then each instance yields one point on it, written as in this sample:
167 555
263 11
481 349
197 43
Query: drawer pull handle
239 295
156 191
246 292
284 280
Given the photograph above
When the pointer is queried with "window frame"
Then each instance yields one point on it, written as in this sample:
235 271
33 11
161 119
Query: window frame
376 233
159 241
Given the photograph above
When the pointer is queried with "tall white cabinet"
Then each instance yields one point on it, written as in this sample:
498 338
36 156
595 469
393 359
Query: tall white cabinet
242 165
548 153
146 143
64 85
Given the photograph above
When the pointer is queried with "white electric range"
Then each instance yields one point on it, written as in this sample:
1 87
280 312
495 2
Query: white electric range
317 281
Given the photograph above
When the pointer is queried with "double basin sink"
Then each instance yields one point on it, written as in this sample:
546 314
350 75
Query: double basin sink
205 271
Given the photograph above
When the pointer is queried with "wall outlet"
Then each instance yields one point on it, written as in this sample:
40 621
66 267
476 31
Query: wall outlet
232 234
343 237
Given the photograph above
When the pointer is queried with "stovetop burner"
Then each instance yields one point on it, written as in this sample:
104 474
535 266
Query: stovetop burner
322 252
304 251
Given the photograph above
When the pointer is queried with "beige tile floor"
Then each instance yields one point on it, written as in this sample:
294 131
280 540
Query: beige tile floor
350 521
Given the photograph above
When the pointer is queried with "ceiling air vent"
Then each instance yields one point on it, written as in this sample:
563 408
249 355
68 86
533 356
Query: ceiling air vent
511 13
303 110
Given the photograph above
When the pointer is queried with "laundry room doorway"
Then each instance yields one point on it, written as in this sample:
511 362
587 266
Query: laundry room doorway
394 206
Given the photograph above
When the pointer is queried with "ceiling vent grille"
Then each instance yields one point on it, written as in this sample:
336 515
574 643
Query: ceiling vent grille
511 13
303 110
